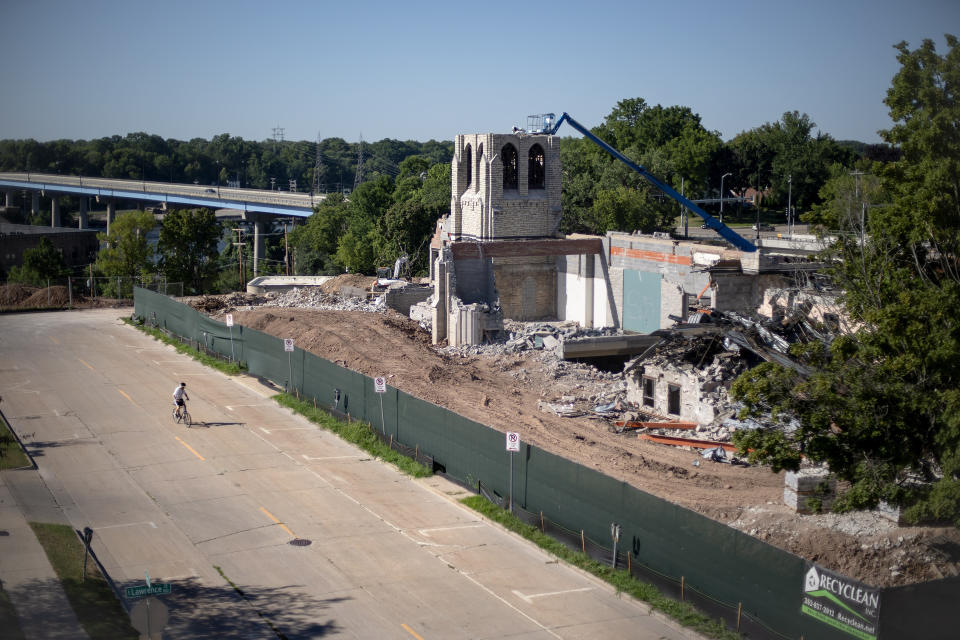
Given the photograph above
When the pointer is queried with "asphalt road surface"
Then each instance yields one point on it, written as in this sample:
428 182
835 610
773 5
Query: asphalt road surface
218 505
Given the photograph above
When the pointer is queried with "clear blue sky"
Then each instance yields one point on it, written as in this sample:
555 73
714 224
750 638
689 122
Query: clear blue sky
430 70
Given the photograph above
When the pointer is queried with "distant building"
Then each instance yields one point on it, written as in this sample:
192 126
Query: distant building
78 246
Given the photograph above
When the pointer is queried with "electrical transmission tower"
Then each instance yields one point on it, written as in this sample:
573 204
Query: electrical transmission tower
278 133
358 177
317 167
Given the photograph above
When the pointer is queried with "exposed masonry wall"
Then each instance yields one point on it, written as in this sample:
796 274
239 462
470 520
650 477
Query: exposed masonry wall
527 287
482 209
402 298
683 270
691 409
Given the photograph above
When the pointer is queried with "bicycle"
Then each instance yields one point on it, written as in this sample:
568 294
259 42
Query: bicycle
183 416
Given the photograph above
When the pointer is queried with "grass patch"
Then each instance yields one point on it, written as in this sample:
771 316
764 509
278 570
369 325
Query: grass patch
95 604
622 581
229 368
358 433
11 455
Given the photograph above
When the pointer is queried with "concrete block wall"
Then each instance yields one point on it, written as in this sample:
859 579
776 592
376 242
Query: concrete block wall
402 298
527 287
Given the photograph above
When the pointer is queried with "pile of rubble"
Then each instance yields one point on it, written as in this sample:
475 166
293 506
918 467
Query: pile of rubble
315 298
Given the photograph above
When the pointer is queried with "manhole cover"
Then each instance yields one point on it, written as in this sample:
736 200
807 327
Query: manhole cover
300 542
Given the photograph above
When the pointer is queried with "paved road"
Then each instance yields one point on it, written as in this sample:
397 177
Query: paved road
389 557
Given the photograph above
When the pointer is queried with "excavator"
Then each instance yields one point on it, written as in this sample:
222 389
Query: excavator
548 123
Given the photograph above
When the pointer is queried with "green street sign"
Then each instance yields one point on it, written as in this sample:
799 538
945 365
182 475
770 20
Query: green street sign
156 589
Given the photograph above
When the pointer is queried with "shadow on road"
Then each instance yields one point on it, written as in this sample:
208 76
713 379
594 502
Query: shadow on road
217 424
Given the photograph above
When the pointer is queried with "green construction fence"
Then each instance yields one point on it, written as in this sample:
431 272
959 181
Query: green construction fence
730 567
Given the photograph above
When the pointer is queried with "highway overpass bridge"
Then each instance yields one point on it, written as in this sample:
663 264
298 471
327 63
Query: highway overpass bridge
251 205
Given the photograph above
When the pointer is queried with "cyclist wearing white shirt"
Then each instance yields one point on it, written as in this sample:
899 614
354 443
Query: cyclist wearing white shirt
179 395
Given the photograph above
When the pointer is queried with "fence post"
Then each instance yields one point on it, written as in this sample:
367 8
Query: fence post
542 529
391 441
583 542
739 611
629 568
682 585
70 291
48 292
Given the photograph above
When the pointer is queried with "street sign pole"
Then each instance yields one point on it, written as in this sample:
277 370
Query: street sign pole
230 325
513 446
380 386
288 347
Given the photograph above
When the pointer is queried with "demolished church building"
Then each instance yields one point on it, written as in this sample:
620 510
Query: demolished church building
499 254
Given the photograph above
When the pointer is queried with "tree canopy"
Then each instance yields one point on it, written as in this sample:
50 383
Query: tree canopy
188 247
882 406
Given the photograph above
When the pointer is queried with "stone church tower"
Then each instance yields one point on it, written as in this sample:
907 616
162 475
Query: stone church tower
505 187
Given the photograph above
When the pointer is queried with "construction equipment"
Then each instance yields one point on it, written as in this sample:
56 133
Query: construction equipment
548 123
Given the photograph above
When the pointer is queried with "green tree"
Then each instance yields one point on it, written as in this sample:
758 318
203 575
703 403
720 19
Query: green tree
125 251
315 242
40 263
188 247
882 406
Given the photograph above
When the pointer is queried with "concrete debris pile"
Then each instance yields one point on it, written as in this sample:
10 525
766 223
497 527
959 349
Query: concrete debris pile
315 298
529 336
213 304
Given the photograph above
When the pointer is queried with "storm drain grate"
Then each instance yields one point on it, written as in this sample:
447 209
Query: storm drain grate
300 542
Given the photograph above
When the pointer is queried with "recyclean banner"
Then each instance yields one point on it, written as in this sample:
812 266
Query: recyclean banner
840 602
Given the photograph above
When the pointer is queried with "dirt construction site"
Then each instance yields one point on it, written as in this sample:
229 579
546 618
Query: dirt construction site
520 385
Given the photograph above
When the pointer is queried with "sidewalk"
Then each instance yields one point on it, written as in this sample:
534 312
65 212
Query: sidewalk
25 572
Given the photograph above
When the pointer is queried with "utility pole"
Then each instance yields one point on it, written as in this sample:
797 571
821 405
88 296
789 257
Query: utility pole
317 168
240 244
286 249
358 177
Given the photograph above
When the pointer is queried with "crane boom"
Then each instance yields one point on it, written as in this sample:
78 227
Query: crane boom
726 232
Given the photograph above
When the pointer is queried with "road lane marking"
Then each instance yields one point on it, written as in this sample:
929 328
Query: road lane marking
282 526
411 631
529 597
308 458
126 396
192 450
426 532
55 341
128 524
85 363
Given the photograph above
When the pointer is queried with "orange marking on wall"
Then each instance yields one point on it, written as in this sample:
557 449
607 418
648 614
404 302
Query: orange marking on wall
652 256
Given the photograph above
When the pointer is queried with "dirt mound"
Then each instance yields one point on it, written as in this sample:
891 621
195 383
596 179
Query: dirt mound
56 296
14 294
355 280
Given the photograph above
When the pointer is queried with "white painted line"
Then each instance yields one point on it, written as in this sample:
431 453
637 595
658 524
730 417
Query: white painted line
306 457
426 532
267 431
128 524
231 406
529 598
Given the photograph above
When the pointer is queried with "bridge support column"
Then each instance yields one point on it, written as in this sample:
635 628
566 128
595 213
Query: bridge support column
111 213
35 203
257 244
54 212
82 222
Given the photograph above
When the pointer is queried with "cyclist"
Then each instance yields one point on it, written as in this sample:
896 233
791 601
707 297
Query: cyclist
179 395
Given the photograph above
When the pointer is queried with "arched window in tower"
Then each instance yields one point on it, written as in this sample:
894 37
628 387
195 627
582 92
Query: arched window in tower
479 163
468 161
535 168
508 155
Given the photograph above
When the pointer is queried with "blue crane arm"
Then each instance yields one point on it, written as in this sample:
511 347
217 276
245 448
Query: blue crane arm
726 232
